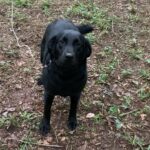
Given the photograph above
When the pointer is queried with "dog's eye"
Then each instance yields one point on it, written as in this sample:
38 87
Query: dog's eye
77 43
61 43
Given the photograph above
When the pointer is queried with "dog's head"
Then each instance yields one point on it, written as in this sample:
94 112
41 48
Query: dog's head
69 48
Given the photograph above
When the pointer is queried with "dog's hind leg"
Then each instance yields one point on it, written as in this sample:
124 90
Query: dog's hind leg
72 119
45 122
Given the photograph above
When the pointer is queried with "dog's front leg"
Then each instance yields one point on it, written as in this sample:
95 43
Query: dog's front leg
72 120
45 122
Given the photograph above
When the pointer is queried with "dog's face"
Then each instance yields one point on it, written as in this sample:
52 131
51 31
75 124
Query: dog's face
69 48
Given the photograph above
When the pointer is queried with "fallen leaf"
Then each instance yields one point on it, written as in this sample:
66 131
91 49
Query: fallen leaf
63 139
45 142
18 86
49 139
90 115
143 116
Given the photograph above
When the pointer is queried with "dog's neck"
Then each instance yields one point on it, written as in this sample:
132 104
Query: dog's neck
70 72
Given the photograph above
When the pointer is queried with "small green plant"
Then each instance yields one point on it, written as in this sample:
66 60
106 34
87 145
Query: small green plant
12 53
147 61
136 53
5 65
144 93
20 16
10 121
112 65
23 3
126 72
83 127
114 110
97 118
135 141
86 104
103 77
27 116
106 52
146 109
145 74
91 37
126 102
27 142
118 123
92 14
108 49
148 148
46 7
134 18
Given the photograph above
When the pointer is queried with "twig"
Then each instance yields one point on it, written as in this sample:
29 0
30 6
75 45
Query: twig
12 29
127 113
37 144
112 26
55 135
53 146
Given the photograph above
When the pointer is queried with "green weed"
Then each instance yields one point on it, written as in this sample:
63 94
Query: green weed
106 52
112 65
118 123
108 49
10 121
12 53
23 3
126 102
135 141
148 148
92 14
103 77
27 116
144 93
91 37
145 74
105 71
134 18
46 7
97 118
5 65
136 53
27 142
19 16
147 61
126 73
114 110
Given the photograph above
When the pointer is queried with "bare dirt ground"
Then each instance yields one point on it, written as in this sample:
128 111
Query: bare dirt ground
118 87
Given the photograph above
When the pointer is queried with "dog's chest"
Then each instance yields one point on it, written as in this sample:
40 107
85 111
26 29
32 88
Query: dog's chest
65 85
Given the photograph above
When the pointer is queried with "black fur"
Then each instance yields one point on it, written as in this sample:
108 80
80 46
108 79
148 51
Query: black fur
64 50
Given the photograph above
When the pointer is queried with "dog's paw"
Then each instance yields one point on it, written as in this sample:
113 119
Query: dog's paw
72 123
44 127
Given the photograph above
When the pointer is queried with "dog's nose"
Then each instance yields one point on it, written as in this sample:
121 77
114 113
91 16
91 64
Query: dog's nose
69 55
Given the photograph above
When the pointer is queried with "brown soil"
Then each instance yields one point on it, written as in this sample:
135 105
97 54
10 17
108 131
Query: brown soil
20 93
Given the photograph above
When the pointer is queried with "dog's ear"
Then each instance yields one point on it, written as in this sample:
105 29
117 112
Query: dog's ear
52 43
87 47
84 29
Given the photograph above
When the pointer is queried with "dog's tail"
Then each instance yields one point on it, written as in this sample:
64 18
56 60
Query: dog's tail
84 29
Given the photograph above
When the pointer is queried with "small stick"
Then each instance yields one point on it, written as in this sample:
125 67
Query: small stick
127 113
12 29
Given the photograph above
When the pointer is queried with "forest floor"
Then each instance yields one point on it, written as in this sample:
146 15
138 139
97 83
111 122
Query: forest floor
114 111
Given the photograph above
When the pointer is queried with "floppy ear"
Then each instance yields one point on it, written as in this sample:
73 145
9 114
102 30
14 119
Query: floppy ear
84 29
52 47
87 47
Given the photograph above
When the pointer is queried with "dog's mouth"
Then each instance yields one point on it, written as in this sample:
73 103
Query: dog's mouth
66 64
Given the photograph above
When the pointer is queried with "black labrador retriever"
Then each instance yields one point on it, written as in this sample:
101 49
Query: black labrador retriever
64 50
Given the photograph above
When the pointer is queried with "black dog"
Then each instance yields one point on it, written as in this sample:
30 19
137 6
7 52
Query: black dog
64 50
